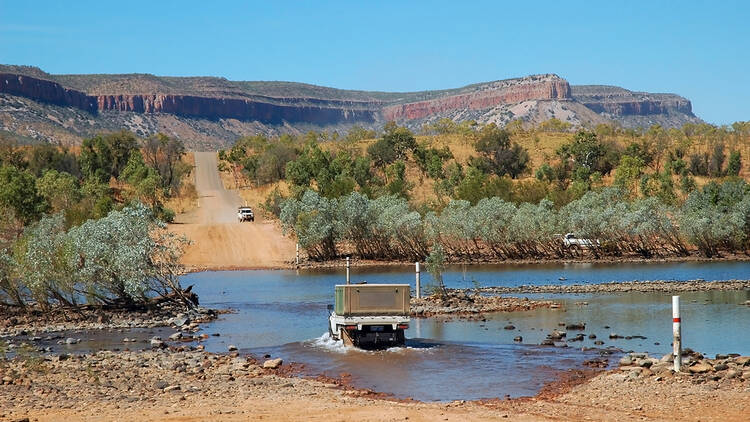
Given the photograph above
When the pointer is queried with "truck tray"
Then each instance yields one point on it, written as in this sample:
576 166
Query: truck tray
372 299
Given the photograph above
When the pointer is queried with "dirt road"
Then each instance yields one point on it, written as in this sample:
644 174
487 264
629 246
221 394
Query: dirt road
219 240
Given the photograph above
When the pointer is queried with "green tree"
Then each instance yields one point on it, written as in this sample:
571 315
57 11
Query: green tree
735 164
18 191
505 158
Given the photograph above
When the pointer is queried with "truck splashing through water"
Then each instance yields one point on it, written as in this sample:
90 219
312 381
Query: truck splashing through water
370 316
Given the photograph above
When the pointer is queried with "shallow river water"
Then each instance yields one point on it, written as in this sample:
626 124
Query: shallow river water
283 314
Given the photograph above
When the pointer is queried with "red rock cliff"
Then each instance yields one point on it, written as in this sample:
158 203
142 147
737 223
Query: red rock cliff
237 108
485 96
46 91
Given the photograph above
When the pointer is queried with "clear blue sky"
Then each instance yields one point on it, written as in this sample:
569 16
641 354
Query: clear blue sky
700 50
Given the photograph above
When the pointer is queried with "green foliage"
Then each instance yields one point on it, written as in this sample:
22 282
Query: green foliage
435 264
717 217
120 258
588 152
735 164
59 189
394 145
18 191
105 156
502 157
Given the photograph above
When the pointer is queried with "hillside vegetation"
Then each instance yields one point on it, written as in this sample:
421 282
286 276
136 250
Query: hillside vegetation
86 225
481 192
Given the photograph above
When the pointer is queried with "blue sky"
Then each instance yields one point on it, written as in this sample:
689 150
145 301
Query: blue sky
700 50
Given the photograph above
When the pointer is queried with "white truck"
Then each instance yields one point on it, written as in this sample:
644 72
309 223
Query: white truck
245 214
576 245
370 316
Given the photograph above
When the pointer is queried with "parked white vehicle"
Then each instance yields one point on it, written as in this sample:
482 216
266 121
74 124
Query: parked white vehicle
571 241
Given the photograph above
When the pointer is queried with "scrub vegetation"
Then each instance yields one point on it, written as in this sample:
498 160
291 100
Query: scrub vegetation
86 225
488 193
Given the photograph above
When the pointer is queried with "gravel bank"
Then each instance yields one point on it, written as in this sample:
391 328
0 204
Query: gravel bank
183 385
626 286
17 322
460 303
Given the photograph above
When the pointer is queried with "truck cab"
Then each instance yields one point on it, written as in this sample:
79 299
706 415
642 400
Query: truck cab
370 316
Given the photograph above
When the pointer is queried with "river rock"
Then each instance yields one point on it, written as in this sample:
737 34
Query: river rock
592 336
509 327
180 320
742 360
71 340
176 336
721 367
733 373
156 342
626 361
272 363
557 335
232 347
700 368
576 326
614 336
667 358
598 342
171 388
518 339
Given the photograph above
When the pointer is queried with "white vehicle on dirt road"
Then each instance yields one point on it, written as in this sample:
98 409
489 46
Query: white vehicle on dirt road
245 214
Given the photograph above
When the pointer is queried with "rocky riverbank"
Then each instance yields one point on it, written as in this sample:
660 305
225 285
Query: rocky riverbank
461 303
177 384
621 287
15 322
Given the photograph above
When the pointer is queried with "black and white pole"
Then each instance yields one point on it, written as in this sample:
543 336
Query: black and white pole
296 259
676 333
418 286
347 270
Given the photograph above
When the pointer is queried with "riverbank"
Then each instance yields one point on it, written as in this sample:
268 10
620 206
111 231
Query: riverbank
15 322
459 303
469 263
192 385
621 287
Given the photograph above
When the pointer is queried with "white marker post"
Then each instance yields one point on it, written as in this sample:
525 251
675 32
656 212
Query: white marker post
676 333
296 252
347 270
419 286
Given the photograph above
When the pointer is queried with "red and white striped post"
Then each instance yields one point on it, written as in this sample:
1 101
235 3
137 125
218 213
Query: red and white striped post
676 333
418 287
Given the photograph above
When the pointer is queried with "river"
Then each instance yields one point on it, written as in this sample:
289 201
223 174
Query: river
282 313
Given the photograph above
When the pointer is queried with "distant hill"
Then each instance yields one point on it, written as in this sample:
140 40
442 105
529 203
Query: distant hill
210 112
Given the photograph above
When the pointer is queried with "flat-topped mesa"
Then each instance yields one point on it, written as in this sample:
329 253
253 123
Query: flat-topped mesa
274 112
46 91
484 96
617 101
263 109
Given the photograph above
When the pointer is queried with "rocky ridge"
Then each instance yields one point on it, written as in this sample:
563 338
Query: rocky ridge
214 111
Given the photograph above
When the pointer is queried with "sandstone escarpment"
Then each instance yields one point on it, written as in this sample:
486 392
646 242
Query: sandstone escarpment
544 87
236 108
46 91
617 101
211 112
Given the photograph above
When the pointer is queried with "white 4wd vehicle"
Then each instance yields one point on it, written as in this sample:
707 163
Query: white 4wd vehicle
571 241
245 214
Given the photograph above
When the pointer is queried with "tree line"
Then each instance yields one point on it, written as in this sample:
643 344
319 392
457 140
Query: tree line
713 220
